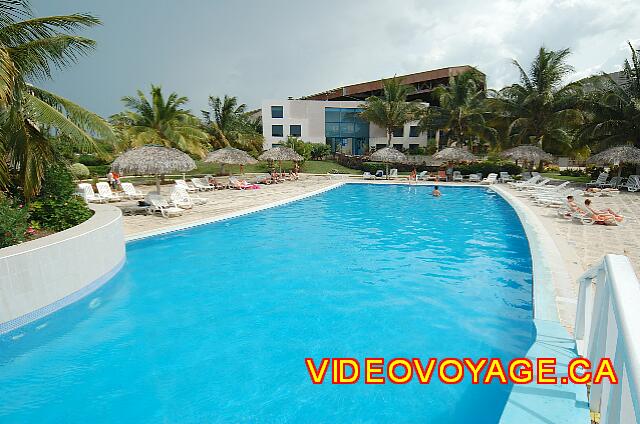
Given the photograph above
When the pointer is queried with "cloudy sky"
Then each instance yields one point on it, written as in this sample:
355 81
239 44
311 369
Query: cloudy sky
257 49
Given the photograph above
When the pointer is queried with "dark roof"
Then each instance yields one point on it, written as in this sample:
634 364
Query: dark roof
424 81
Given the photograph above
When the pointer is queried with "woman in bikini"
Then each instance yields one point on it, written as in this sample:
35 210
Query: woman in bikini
608 214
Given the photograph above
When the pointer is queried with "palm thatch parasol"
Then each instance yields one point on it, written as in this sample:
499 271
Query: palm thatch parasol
616 156
455 154
230 156
527 153
152 160
281 153
388 155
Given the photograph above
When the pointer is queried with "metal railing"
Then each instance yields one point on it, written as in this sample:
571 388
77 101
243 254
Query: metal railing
608 325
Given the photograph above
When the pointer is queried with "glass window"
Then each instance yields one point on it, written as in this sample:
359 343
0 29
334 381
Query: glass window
398 132
414 146
397 147
380 146
276 131
277 112
347 129
361 129
295 130
331 129
331 114
413 131
348 115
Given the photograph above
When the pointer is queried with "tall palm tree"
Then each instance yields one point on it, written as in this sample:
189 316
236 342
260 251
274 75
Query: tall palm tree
159 121
392 109
461 113
29 115
613 110
229 124
541 110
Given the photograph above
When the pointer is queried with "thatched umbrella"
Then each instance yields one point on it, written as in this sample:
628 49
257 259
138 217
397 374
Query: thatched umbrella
152 160
281 153
617 156
230 156
455 154
388 155
527 153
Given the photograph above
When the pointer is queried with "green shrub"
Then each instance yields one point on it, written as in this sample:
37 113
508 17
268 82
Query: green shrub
14 222
319 151
569 172
99 170
91 160
59 214
56 207
79 171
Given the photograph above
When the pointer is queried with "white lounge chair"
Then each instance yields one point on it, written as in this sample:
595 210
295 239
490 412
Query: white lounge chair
523 183
491 179
160 205
457 176
186 186
393 173
87 193
105 192
632 184
600 181
539 184
422 176
505 177
180 195
475 178
235 183
201 185
379 174
131 192
368 176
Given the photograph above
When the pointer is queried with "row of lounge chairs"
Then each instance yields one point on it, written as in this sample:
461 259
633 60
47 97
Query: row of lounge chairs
632 183
442 176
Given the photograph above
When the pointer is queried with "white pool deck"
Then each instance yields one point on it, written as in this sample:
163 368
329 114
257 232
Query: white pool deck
561 251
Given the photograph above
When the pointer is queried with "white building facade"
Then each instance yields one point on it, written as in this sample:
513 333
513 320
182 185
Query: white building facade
335 123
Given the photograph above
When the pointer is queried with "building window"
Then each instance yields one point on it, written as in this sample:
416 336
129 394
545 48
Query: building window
295 130
380 146
414 147
276 112
398 132
413 131
398 147
276 131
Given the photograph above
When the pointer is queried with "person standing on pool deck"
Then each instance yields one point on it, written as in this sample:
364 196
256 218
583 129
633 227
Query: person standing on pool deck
436 192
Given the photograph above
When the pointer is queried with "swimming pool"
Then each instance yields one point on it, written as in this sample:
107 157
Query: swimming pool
213 323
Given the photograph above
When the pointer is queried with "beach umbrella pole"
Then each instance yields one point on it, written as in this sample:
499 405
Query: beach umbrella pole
158 183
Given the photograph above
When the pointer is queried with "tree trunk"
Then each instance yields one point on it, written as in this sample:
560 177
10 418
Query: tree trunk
389 133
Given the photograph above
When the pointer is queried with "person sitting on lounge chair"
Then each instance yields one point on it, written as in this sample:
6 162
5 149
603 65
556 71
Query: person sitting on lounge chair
606 214
213 182
436 192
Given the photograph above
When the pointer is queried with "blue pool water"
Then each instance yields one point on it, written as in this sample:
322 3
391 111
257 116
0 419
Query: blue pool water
212 324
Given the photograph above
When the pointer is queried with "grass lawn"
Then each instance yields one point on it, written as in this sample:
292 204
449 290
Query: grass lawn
557 176
310 166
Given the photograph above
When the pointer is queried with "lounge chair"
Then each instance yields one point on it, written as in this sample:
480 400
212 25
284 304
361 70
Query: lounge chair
457 176
186 186
539 184
87 193
505 177
368 176
600 181
105 192
131 192
614 182
535 174
215 184
442 176
491 179
523 183
632 184
526 176
379 174
201 185
240 185
178 200
422 176
432 177
264 179
393 173
475 178
160 205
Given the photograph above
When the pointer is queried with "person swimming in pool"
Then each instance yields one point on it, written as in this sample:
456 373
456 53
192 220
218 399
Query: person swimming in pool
436 192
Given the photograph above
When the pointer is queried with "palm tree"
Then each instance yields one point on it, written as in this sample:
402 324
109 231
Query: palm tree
31 116
160 121
540 109
392 109
613 110
461 112
229 124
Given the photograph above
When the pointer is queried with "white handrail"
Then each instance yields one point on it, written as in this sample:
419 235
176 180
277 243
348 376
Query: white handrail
608 325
